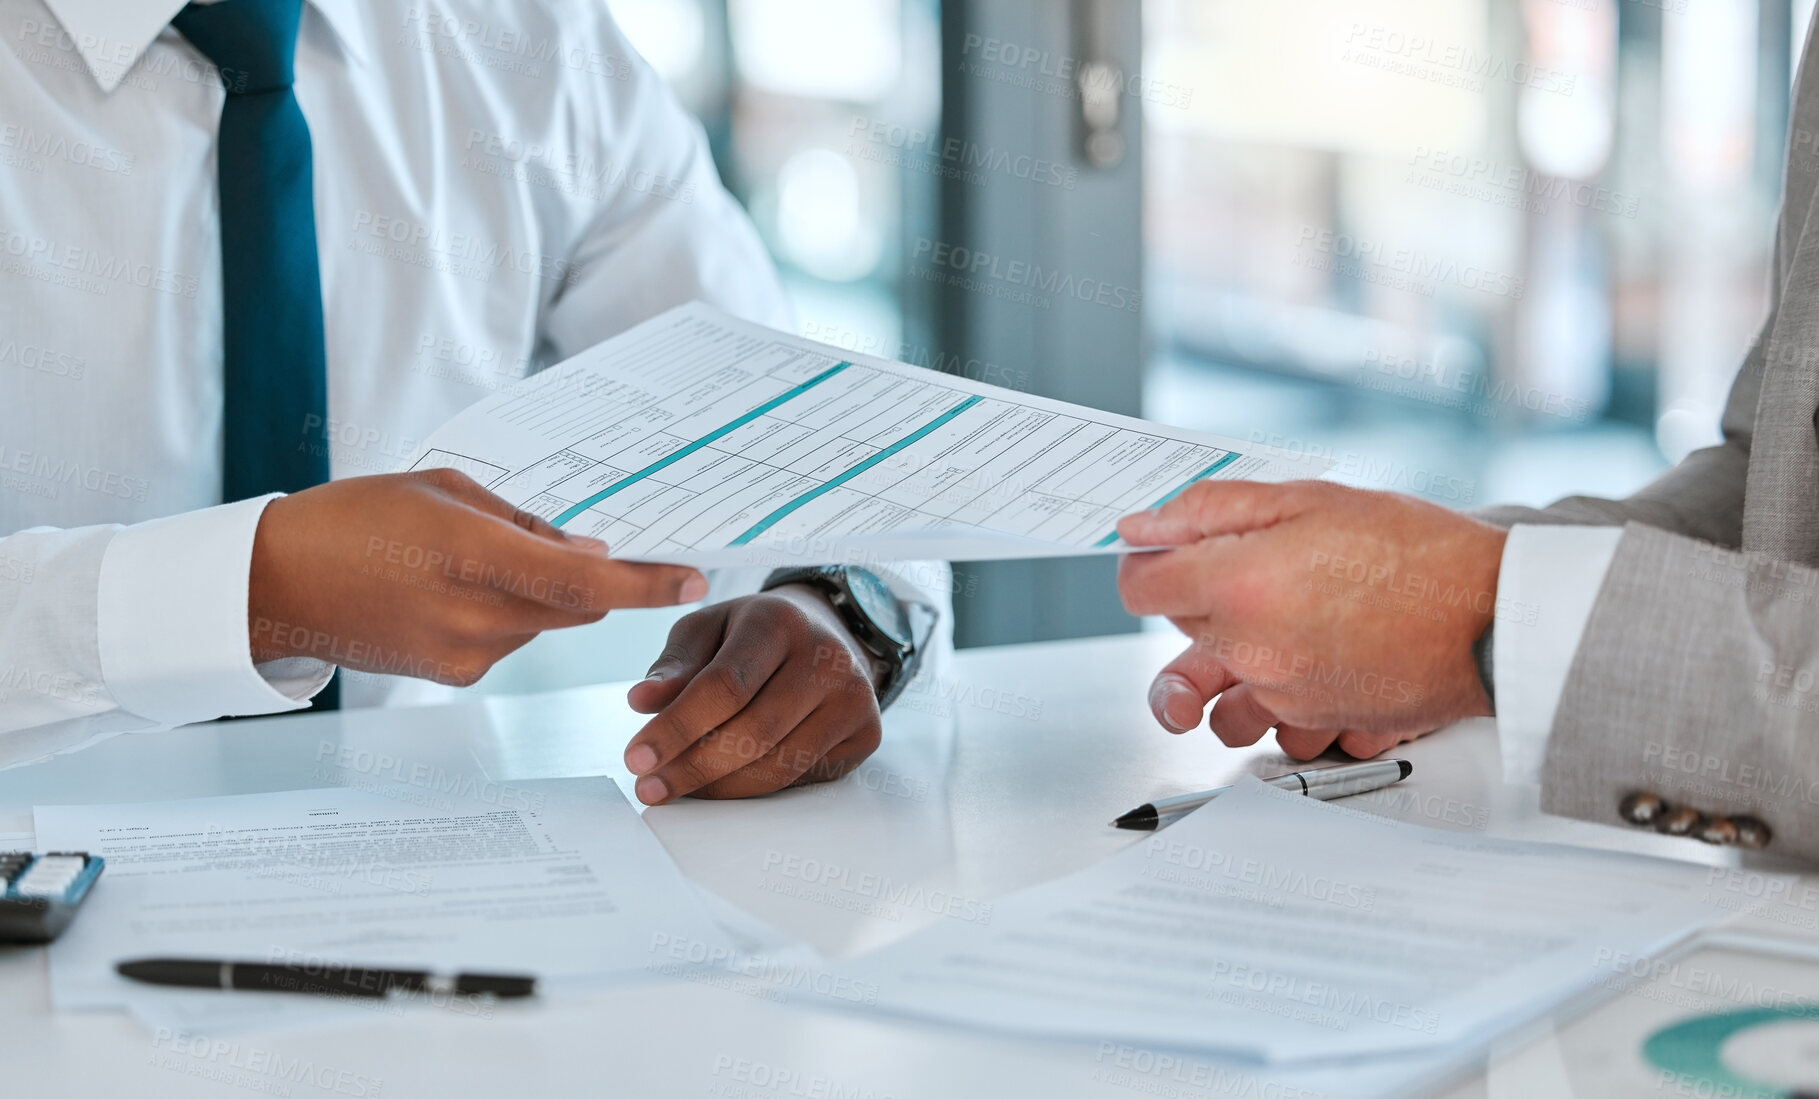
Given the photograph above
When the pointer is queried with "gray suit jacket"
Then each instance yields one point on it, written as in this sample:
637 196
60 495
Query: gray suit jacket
1697 677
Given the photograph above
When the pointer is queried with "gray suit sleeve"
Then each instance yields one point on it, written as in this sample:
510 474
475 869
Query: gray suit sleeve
1697 675
1667 669
1697 679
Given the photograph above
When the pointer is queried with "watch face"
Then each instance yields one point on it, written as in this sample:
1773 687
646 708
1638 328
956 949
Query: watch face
877 603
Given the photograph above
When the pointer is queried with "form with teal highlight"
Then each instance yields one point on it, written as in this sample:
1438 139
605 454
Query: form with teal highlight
1230 457
706 440
909 440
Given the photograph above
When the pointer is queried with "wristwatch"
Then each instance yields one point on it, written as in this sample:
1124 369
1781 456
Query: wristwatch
877 619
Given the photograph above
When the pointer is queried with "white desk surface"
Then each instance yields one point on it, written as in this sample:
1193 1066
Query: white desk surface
1040 746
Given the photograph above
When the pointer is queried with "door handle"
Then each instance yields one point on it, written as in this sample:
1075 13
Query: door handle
1099 80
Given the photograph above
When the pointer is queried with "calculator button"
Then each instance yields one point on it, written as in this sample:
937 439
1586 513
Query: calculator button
50 876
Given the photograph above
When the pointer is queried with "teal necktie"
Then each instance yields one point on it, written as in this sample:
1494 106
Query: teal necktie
275 371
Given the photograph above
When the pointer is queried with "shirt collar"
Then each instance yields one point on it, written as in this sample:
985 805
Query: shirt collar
112 34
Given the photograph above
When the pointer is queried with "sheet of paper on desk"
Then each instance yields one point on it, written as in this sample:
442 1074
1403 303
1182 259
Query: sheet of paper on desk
558 878
700 439
1272 926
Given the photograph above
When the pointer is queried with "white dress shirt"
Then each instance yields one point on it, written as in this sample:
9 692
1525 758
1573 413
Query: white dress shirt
497 187
1548 581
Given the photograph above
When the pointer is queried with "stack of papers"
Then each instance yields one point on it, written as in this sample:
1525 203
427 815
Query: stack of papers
699 439
1266 937
564 882
1271 927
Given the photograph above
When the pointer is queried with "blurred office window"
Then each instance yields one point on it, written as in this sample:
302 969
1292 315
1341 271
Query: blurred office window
1708 83
1801 19
670 34
816 108
1477 250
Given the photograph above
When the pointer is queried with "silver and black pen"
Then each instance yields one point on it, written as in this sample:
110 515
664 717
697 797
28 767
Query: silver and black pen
319 978
1326 783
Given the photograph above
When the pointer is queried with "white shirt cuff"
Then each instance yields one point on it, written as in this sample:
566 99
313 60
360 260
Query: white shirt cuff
1547 585
171 612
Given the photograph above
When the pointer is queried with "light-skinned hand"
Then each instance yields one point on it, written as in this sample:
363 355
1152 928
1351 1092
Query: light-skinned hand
1332 614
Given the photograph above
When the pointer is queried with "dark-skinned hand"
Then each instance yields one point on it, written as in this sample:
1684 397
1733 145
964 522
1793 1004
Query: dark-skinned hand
753 695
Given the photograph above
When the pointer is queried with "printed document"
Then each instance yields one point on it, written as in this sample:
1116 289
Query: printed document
699 439
1271 926
562 881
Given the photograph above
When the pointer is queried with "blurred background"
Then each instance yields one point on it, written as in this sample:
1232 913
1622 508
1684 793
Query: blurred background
1474 250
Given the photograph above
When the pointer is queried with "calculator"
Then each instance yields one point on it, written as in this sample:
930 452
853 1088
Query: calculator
39 893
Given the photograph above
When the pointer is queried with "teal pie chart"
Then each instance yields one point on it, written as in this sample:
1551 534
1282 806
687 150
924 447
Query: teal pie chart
1692 1049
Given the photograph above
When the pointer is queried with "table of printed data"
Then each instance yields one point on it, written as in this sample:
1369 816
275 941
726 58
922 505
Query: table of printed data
696 433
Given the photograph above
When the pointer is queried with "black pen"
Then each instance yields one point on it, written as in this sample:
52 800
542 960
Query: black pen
1326 783
320 979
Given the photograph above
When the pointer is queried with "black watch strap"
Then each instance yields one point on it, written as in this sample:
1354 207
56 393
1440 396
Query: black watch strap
1481 656
898 664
